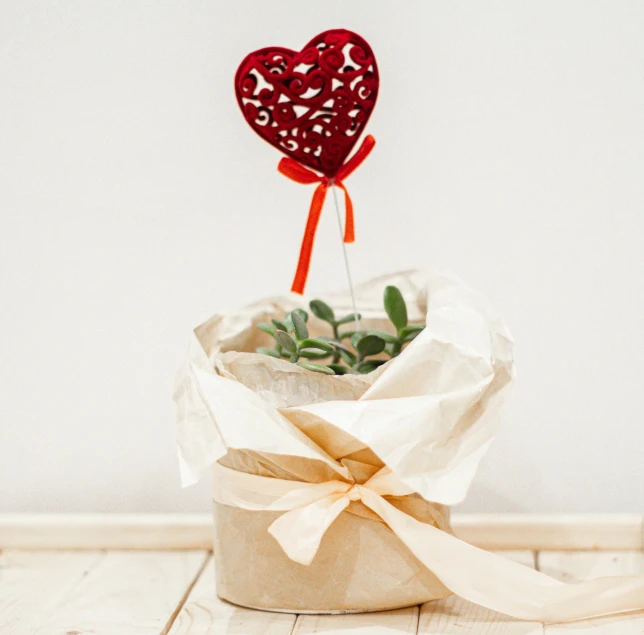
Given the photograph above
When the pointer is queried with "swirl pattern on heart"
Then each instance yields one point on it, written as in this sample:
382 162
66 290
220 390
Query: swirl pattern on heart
311 105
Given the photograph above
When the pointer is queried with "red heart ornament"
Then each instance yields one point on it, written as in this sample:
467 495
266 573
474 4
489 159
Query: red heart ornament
312 105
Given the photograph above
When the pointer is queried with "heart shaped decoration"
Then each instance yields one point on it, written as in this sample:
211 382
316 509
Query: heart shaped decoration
311 105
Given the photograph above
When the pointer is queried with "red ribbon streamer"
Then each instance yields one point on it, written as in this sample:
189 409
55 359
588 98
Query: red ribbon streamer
298 173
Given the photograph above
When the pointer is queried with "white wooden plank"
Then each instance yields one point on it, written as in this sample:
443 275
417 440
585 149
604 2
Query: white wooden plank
128 593
455 616
398 622
551 531
194 531
34 585
574 566
106 531
205 614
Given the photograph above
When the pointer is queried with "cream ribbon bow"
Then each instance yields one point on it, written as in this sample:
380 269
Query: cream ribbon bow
476 575
310 511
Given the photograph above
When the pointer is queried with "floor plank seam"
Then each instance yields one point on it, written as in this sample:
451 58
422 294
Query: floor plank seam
186 595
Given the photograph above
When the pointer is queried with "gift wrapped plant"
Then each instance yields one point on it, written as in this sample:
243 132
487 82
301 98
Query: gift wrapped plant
401 409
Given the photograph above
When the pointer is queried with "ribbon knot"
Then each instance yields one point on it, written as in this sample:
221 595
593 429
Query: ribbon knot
354 494
298 173
312 510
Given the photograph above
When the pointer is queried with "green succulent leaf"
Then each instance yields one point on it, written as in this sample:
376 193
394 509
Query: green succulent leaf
322 310
271 352
267 327
412 328
369 365
410 336
288 323
355 338
395 307
347 357
317 368
280 325
316 343
338 346
349 334
395 349
286 342
388 337
370 345
313 353
339 369
299 325
302 313
288 319
348 318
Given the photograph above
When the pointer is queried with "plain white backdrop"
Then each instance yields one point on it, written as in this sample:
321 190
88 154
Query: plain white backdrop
135 202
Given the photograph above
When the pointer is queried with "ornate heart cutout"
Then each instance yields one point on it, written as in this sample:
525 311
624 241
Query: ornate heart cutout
311 105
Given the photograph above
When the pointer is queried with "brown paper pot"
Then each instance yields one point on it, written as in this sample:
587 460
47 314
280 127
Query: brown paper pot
428 415
361 564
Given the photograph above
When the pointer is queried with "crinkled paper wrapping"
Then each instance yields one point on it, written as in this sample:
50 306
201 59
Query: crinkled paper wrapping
429 415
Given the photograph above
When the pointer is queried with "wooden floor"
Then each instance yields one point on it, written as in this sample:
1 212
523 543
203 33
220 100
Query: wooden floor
152 592
48 592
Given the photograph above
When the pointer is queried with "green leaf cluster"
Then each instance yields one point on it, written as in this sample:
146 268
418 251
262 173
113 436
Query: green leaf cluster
365 350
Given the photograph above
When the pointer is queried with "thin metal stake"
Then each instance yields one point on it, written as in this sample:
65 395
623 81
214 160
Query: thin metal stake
346 257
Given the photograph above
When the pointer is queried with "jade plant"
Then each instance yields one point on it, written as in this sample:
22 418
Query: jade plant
344 351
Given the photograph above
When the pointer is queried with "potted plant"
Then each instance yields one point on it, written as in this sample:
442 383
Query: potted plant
285 402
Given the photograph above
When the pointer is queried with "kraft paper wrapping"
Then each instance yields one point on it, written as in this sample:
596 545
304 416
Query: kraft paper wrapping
360 566
428 415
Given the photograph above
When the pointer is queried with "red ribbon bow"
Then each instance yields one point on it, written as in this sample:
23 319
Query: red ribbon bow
296 172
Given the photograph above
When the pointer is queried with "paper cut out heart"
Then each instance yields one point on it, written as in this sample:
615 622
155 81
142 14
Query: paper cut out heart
312 105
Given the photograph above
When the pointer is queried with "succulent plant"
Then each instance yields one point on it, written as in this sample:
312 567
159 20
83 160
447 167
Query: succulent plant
330 355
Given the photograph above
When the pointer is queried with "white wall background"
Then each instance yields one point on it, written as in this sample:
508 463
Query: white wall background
135 202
